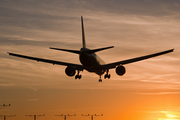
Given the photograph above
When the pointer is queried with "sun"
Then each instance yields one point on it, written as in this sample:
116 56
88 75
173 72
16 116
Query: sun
169 116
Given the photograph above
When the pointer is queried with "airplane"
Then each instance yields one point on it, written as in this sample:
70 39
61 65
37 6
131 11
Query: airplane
90 61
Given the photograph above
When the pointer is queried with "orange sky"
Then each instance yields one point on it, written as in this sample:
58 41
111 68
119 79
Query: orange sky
150 89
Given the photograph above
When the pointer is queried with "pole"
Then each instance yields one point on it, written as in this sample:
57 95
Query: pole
35 116
6 116
65 116
91 116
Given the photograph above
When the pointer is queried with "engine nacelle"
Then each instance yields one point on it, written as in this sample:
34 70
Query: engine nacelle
120 70
70 71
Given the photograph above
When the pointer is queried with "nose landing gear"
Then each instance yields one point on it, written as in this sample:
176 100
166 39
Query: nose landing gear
78 76
100 80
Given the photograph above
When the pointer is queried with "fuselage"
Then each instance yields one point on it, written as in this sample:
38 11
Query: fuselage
91 62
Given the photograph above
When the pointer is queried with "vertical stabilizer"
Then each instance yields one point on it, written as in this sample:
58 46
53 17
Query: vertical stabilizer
83 34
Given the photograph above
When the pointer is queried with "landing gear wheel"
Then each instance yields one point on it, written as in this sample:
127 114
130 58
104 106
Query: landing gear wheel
100 80
107 76
78 76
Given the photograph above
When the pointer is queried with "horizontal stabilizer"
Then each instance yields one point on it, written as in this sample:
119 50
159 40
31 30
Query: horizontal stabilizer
97 50
73 51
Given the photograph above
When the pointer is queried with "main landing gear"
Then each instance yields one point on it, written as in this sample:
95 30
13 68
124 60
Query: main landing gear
78 76
107 75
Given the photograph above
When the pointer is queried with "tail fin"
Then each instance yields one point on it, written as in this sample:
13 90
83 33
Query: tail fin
83 34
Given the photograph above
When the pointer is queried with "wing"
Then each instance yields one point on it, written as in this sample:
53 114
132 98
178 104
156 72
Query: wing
75 66
113 65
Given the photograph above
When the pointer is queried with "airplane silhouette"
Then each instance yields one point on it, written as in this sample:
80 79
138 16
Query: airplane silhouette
90 61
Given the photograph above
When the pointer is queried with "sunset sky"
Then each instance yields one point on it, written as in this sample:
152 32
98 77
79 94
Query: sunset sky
150 89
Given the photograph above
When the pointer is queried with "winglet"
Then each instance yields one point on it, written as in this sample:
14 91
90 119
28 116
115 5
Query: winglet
9 53
83 34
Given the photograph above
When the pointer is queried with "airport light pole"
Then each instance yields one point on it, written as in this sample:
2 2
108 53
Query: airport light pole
6 116
92 116
35 116
65 116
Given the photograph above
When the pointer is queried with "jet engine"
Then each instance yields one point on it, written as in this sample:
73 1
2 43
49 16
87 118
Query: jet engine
70 71
120 70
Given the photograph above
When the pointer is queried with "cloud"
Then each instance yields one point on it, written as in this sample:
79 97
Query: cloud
30 27
6 84
160 93
5 41
33 99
